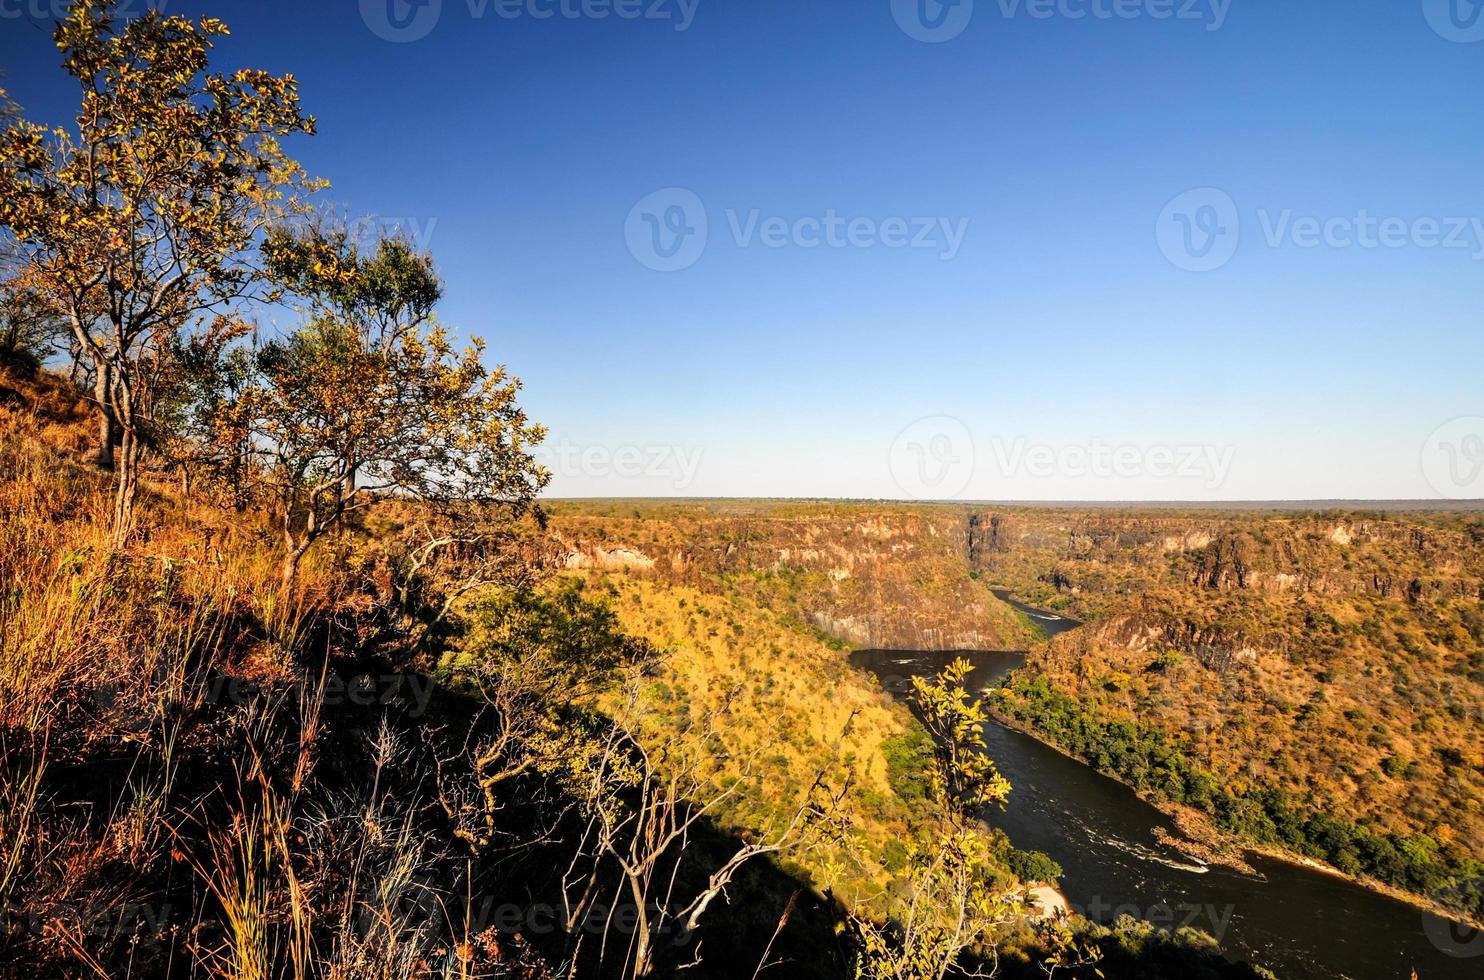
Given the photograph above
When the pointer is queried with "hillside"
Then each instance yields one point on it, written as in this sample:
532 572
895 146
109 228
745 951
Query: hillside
202 773
886 576
1320 676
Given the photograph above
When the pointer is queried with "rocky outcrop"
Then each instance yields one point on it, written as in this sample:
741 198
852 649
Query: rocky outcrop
1216 647
1100 557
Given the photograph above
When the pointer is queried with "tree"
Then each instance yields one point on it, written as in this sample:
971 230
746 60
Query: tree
647 801
30 327
142 224
950 900
368 398
965 776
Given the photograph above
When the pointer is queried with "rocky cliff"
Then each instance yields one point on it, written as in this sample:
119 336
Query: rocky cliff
886 576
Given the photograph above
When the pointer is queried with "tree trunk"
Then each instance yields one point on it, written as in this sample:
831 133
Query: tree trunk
108 427
643 951
126 491
289 573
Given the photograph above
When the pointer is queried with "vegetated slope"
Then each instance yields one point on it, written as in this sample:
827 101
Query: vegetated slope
201 775
1313 681
876 575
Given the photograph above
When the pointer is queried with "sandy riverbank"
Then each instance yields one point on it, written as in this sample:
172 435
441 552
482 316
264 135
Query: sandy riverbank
1049 901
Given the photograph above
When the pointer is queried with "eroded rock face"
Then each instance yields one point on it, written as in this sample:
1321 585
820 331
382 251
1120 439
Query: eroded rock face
1216 647
1097 557
875 575
618 558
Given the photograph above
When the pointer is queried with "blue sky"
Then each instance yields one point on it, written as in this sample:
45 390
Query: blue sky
1062 349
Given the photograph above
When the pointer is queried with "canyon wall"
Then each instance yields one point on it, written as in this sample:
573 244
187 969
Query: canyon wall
885 576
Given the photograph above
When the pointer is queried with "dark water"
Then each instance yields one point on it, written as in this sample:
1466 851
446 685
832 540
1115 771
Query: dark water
1300 924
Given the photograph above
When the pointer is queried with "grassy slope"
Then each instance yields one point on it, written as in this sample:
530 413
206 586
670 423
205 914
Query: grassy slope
783 700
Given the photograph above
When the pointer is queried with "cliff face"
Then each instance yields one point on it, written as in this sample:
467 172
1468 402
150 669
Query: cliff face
873 575
1091 562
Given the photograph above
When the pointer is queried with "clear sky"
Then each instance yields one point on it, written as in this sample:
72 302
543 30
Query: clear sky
948 251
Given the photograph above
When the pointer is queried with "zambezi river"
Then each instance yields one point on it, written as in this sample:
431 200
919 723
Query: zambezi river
1300 923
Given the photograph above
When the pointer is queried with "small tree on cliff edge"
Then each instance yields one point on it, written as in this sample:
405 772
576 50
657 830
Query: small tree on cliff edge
948 902
142 223
368 398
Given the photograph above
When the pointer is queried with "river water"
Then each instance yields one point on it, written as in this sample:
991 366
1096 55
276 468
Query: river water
1299 923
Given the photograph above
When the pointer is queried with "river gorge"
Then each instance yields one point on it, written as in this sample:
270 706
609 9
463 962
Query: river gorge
1301 923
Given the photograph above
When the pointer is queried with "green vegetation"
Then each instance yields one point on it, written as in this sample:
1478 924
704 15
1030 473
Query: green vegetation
1146 758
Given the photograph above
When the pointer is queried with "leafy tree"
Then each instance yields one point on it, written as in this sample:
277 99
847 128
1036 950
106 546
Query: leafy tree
143 220
29 325
369 398
965 774
909 762
952 900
